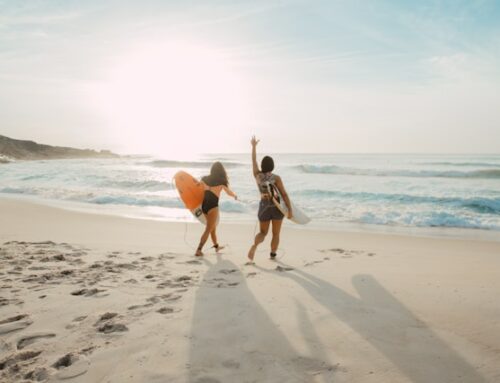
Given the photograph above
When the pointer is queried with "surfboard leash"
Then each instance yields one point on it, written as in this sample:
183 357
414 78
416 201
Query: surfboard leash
185 236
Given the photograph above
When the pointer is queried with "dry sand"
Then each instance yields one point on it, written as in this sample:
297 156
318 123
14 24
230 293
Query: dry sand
90 298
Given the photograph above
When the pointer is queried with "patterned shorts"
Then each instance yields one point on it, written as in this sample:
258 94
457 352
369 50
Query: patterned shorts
268 211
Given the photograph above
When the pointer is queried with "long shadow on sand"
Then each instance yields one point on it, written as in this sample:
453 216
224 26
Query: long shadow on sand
234 340
415 349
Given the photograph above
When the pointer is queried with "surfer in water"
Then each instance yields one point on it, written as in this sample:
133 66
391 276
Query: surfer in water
214 184
269 185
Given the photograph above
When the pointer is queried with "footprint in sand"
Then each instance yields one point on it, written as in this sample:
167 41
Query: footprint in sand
346 253
166 256
283 268
13 359
334 250
15 323
165 310
6 302
59 257
37 268
128 266
192 262
39 374
170 297
105 317
103 325
222 283
109 328
29 339
87 292
182 281
4 347
71 366
313 263
228 271
154 299
135 307
87 350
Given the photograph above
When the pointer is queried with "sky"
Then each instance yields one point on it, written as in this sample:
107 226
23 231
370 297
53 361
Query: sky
182 77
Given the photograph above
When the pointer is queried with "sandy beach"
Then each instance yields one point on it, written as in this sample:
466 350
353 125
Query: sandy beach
130 129
96 298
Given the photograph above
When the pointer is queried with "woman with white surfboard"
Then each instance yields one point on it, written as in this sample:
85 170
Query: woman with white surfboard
269 213
214 184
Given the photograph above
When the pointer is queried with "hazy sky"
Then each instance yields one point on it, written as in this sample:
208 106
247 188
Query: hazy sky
176 77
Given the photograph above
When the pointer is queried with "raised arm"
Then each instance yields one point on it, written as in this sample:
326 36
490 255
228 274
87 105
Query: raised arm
281 189
254 143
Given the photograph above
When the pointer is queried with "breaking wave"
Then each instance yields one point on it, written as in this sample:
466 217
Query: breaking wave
332 169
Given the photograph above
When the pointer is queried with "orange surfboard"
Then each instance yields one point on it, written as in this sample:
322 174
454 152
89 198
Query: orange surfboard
191 192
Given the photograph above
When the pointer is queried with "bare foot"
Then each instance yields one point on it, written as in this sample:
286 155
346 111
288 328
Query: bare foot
251 253
199 253
219 248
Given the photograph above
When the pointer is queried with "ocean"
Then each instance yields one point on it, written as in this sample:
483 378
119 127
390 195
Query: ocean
335 190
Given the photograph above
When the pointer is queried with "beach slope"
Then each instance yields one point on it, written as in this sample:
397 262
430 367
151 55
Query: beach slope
96 298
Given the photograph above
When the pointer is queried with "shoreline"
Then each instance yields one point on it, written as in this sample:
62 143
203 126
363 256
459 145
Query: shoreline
128 302
136 212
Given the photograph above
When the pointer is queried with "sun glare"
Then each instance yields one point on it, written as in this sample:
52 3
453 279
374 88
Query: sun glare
174 99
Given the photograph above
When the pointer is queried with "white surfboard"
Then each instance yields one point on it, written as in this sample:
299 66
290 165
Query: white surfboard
198 214
298 216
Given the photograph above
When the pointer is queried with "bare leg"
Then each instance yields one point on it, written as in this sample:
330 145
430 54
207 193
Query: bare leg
259 238
213 235
275 241
210 226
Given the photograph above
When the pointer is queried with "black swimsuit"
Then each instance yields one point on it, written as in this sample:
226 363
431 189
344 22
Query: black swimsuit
210 200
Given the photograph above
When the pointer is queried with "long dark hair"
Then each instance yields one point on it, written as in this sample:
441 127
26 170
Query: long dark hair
217 175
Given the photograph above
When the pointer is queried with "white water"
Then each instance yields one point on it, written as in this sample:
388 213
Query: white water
459 191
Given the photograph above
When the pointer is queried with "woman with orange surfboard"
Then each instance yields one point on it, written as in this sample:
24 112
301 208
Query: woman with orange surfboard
213 184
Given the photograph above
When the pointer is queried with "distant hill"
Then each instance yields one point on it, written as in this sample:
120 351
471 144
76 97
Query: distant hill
30 150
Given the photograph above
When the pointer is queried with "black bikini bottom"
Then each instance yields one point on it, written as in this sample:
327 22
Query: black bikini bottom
210 200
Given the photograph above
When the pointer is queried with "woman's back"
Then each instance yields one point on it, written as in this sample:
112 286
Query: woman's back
264 181
214 185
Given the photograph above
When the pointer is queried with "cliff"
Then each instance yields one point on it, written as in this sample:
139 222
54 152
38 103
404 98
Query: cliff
30 150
